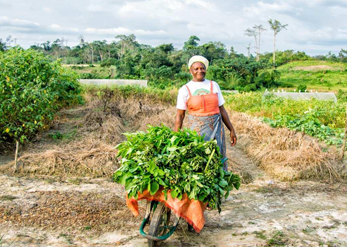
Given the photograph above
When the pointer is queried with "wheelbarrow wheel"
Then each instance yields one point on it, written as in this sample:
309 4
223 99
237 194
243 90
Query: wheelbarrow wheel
160 219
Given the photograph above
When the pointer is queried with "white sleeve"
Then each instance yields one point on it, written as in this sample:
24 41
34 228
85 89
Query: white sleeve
221 100
182 98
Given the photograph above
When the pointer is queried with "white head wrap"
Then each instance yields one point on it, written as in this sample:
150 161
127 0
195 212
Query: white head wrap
198 58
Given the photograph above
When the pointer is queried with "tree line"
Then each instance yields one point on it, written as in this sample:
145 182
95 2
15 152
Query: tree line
165 66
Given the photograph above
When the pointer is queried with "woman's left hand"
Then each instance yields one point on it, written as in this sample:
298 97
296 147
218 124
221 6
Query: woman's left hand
233 138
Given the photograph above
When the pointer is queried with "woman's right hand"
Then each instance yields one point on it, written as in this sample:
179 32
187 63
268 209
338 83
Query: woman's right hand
233 137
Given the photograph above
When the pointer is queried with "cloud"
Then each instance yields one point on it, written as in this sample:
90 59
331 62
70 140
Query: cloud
96 8
173 21
201 4
125 31
26 26
7 22
47 10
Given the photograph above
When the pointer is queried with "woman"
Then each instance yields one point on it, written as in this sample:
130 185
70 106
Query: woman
204 101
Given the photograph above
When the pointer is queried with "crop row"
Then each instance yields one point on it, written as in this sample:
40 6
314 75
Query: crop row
324 120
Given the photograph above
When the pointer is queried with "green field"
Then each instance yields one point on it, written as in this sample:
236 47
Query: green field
94 71
316 75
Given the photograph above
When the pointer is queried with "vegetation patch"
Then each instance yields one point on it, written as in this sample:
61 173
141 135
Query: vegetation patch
32 89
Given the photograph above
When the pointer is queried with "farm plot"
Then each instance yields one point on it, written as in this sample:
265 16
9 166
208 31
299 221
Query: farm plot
69 199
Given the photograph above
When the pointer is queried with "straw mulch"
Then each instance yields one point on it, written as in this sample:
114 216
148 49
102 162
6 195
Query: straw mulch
79 158
286 154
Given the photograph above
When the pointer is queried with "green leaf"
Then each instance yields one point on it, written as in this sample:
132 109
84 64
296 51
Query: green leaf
187 187
173 193
179 196
223 183
124 177
172 149
165 194
161 182
154 188
129 184
202 197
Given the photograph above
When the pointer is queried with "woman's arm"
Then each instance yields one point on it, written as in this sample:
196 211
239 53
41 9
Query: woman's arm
226 121
179 119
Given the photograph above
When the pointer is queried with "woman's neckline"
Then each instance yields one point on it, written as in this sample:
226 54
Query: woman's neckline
199 81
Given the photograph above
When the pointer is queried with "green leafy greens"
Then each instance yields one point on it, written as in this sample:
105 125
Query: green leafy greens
181 162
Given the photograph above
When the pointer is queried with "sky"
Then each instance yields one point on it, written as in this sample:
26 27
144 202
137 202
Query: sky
314 26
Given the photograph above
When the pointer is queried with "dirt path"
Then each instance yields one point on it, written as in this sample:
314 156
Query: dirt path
78 211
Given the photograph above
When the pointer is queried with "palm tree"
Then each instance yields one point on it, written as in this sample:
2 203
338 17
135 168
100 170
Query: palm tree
276 26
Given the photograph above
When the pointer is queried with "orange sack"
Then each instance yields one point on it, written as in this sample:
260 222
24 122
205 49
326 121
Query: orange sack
190 210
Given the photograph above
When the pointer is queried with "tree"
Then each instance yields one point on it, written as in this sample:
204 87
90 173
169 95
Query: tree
190 47
2 45
259 29
166 48
127 43
191 43
57 47
343 55
252 33
213 50
276 26
255 32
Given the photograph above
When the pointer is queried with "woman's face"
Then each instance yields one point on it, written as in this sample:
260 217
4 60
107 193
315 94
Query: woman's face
198 71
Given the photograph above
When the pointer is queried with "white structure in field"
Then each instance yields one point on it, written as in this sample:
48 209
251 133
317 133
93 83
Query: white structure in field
111 82
300 96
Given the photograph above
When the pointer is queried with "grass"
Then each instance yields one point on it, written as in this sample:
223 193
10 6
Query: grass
260 235
96 70
316 75
57 135
278 239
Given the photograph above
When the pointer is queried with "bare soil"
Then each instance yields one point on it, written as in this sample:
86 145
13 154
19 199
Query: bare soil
316 68
70 210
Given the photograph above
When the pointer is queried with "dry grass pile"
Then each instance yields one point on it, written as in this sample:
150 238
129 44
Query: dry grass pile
283 153
88 157
143 113
104 127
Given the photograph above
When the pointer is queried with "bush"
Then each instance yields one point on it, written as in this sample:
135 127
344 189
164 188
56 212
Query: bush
32 90
301 88
89 76
238 72
268 79
183 76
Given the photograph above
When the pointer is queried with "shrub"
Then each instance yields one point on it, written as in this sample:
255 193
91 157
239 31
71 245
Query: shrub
32 90
301 88
268 79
